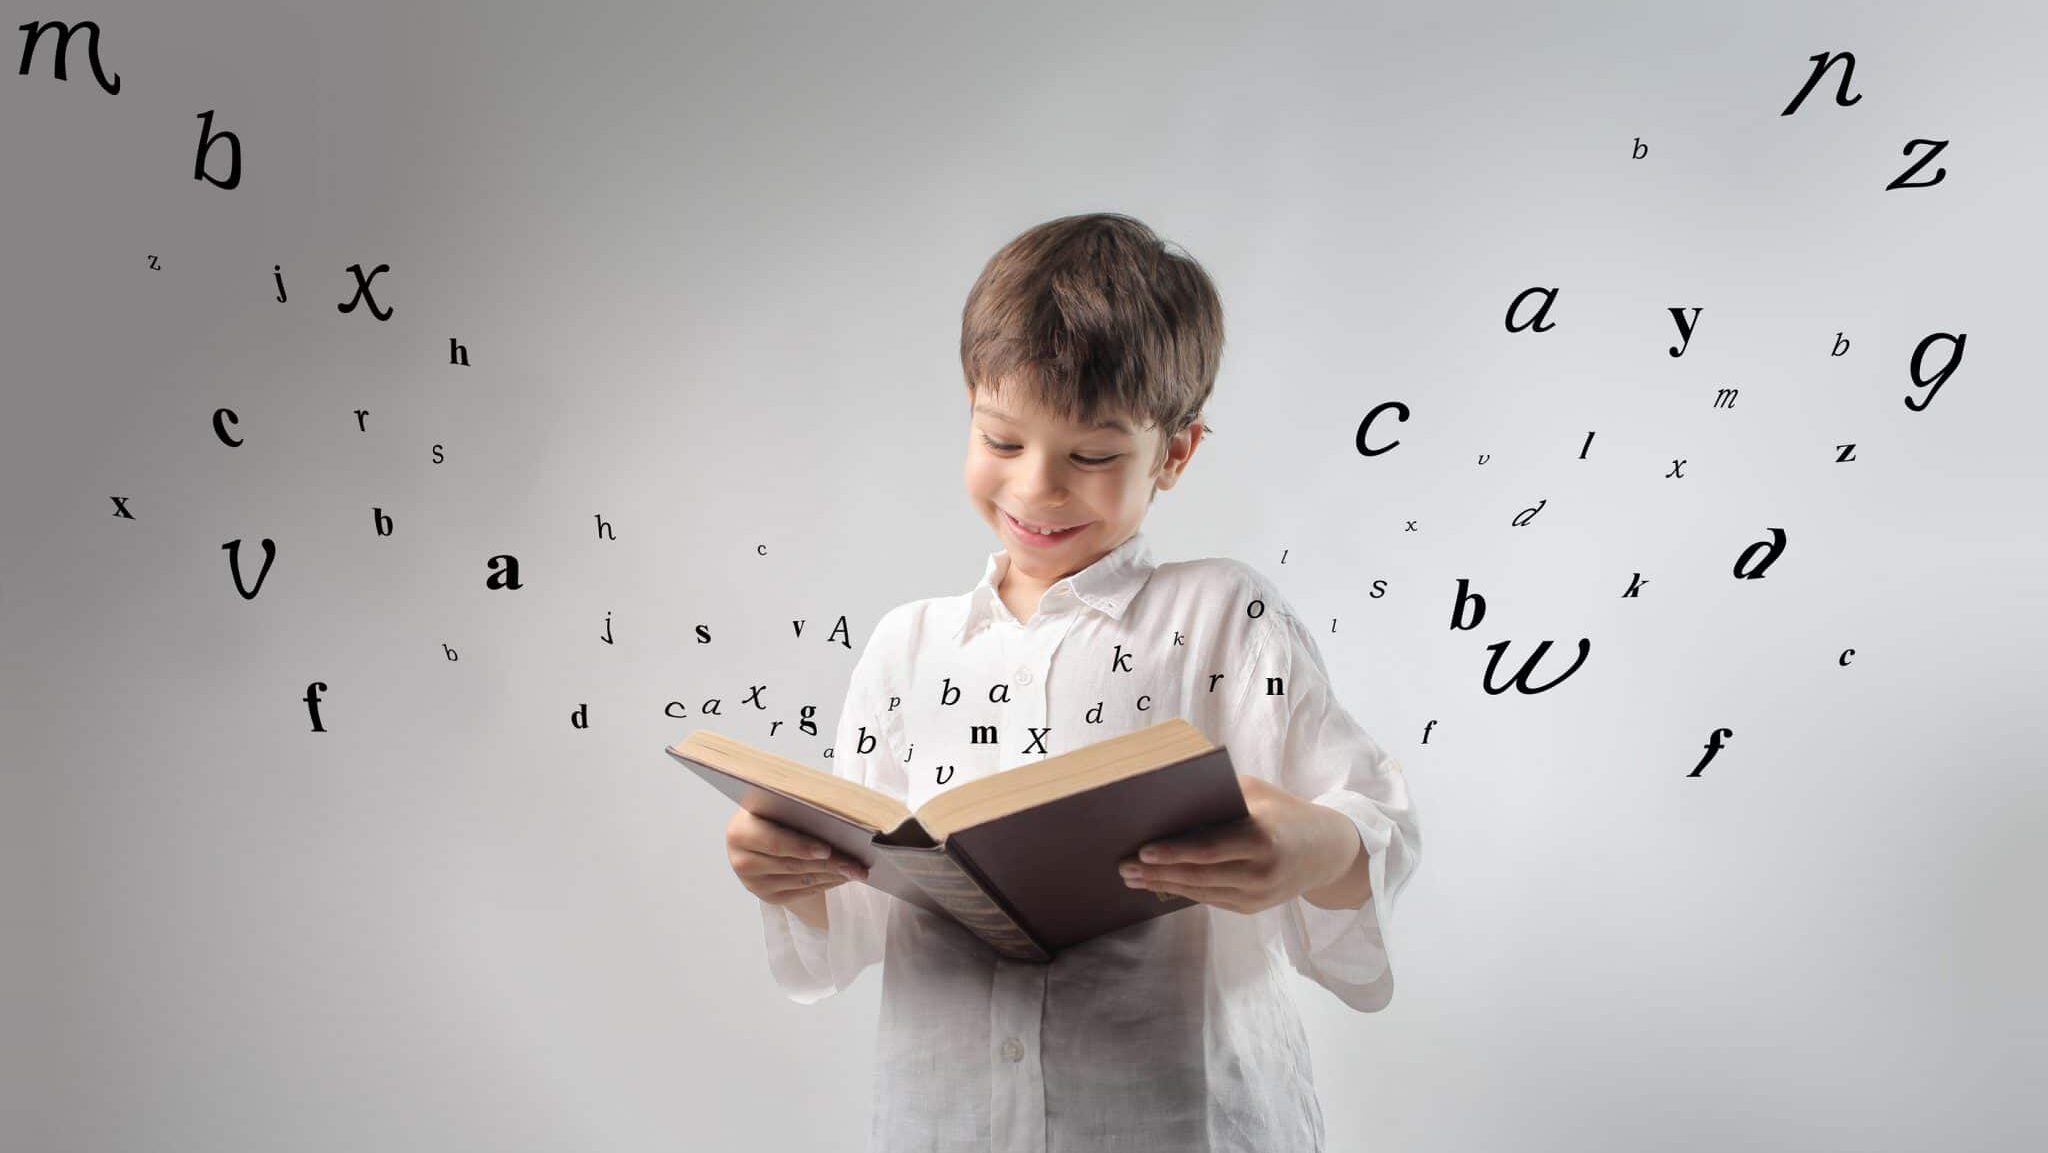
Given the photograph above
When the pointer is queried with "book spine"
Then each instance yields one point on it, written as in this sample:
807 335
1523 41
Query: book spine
961 894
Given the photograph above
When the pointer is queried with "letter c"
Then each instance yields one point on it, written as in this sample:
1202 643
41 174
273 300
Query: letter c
1401 411
222 433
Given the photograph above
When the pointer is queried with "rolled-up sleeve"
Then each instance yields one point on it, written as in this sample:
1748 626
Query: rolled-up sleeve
1315 749
810 964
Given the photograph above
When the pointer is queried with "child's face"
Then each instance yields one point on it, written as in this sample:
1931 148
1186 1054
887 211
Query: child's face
1026 463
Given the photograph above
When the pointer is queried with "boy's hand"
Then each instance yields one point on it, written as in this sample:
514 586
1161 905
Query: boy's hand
1287 846
780 865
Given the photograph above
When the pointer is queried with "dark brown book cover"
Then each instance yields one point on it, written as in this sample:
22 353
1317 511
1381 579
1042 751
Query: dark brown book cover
1030 882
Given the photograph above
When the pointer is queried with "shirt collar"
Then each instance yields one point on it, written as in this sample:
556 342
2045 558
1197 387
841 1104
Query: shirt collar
1107 585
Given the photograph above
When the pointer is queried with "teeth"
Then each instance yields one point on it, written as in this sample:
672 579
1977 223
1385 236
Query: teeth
1039 531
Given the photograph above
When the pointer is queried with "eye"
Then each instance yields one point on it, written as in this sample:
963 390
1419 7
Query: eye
1092 461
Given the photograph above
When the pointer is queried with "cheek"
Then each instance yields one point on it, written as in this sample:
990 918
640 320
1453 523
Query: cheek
979 476
1127 485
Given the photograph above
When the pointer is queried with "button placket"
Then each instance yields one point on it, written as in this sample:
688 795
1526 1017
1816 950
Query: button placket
1017 1090
1041 658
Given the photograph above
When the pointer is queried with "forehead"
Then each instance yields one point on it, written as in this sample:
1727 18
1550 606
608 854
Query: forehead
1004 411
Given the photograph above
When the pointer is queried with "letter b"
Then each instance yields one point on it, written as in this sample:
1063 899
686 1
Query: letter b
207 136
1458 607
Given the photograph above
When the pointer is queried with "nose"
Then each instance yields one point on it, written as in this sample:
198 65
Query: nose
1039 480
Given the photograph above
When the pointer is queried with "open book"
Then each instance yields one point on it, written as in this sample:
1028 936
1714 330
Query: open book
1025 859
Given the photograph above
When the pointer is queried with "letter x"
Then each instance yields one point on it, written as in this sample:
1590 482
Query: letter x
363 291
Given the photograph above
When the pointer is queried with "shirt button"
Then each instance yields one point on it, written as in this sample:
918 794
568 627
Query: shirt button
1013 1048
1023 676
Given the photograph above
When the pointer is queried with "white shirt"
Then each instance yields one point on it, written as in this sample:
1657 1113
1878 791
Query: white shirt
1176 1033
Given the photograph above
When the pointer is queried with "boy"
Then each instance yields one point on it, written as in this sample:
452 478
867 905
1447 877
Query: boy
1089 351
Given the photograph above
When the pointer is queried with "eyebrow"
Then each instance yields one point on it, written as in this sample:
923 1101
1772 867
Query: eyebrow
1118 425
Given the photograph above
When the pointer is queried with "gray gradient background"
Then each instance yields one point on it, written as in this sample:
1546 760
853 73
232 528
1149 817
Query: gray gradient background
709 264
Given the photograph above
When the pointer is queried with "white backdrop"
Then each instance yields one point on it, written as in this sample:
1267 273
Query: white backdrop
707 265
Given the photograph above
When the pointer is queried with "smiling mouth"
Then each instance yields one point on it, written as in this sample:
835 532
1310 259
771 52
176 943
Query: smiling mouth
1025 529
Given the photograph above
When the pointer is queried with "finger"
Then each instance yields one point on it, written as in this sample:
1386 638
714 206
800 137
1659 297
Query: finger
783 841
769 864
1225 874
1222 898
799 883
1227 842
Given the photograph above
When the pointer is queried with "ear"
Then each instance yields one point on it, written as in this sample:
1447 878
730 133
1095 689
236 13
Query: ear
1179 450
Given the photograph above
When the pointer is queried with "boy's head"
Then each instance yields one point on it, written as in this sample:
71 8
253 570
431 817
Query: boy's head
1076 327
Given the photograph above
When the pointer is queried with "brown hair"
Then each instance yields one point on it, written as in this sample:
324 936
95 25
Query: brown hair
1095 317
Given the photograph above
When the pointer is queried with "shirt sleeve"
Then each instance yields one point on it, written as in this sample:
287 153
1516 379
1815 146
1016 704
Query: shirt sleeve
1314 748
811 964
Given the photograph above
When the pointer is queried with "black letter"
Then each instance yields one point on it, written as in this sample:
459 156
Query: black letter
35 32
